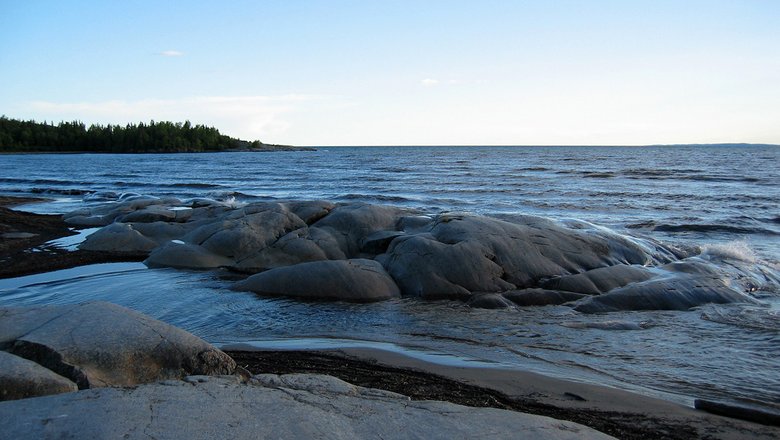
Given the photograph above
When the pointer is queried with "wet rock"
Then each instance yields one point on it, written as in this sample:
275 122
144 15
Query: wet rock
120 238
20 379
356 280
349 224
672 292
489 301
541 297
185 256
152 213
299 246
101 344
601 280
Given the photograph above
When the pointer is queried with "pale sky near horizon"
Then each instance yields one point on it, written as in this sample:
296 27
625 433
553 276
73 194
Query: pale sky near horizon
403 72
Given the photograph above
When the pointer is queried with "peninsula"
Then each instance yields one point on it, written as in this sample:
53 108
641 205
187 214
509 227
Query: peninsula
17 136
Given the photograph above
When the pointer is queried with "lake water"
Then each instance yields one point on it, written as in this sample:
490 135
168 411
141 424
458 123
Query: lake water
723 199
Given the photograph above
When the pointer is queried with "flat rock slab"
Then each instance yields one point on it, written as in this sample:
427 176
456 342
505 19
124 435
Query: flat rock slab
102 344
299 406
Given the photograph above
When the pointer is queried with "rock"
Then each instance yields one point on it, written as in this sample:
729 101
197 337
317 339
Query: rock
489 301
541 297
350 224
20 378
601 280
742 411
673 292
120 238
299 246
245 231
310 211
463 253
101 344
185 256
288 408
356 280
153 213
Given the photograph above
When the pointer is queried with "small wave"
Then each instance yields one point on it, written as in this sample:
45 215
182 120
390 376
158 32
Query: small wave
762 318
597 175
374 197
701 227
66 192
193 185
737 250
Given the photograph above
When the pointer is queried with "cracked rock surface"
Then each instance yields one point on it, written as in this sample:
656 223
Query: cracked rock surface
100 344
268 406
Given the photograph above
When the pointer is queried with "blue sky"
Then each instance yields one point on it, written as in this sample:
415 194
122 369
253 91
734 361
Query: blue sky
404 72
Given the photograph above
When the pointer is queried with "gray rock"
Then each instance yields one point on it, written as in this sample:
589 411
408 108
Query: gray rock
291 408
350 224
153 213
20 379
541 297
601 280
356 280
299 246
120 238
185 256
101 344
680 292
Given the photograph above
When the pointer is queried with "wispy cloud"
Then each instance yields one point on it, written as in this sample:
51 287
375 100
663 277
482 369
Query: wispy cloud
249 117
429 82
171 53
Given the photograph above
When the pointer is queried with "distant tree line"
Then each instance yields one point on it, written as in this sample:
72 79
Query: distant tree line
154 137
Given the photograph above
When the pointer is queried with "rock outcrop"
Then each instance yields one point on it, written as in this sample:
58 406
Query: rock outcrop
528 261
101 344
285 407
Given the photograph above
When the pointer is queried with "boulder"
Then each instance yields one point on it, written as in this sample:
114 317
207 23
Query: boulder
101 344
601 280
670 292
350 224
541 297
182 255
20 379
120 238
356 280
304 406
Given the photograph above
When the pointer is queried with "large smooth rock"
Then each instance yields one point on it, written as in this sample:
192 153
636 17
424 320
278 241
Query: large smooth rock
350 224
284 407
101 344
20 378
356 280
464 253
671 292
185 256
601 280
120 238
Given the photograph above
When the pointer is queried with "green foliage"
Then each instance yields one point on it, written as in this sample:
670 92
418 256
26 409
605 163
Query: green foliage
154 137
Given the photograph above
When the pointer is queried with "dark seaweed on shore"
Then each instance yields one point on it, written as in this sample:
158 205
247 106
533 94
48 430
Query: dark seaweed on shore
424 386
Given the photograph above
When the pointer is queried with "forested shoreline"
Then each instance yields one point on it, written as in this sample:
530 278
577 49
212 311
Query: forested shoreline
152 137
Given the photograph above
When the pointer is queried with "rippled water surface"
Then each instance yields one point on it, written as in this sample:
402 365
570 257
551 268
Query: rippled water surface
724 199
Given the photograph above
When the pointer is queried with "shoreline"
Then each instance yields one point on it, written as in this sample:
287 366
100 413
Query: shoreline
620 413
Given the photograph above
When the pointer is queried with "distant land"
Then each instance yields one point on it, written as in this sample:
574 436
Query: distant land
733 144
17 136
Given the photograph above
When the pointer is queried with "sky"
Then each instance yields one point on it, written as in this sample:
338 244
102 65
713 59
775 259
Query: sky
396 72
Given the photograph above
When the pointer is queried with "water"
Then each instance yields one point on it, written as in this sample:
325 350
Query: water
722 199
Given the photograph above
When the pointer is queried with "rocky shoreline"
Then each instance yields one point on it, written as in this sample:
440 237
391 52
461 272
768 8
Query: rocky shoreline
620 414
